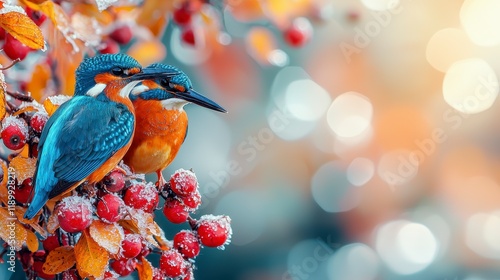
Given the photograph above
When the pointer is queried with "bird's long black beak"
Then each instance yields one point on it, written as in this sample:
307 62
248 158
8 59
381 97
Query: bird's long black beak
192 96
152 73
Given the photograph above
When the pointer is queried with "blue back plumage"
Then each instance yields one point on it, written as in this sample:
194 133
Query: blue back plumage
90 67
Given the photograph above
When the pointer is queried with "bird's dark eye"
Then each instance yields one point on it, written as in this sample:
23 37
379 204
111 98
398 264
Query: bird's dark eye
164 83
117 71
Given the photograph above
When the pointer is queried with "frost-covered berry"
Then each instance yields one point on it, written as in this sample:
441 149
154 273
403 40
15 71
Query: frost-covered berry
110 275
23 191
38 121
214 231
14 132
157 274
110 208
74 213
192 201
37 17
175 211
131 245
183 182
124 266
172 264
187 244
114 181
142 196
14 49
52 242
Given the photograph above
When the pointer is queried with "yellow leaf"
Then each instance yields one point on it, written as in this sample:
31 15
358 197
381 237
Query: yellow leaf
60 259
108 236
31 241
23 167
145 269
21 27
2 96
11 230
91 259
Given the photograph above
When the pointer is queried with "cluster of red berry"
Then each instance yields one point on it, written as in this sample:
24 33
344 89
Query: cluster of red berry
120 35
182 16
113 201
12 47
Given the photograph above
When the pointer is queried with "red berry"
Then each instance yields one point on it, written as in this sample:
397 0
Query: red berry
110 275
189 275
131 245
70 275
114 181
182 15
110 208
23 191
74 213
37 17
38 121
15 49
157 274
37 267
187 36
214 231
187 244
52 242
122 34
172 264
2 33
183 182
175 211
192 201
144 251
14 133
124 266
298 33
142 196
109 46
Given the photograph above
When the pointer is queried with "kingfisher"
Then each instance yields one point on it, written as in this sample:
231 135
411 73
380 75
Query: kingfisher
162 123
89 134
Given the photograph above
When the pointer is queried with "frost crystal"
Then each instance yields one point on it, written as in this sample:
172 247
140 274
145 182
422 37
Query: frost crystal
104 4
11 8
20 123
59 99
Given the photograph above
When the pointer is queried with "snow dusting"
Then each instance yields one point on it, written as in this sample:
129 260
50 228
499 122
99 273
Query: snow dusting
104 4
12 8
15 121
59 99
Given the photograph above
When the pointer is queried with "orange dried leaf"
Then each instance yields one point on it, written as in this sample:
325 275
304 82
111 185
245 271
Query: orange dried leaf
108 236
4 194
148 228
23 167
53 102
60 259
31 241
145 269
21 27
39 80
129 225
46 7
10 225
2 97
24 110
33 223
91 259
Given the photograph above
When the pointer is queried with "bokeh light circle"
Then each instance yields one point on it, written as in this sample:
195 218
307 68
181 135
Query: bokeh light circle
331 189
406 247
380 5
350 114
481 234
480 21
306 100
470 86
353 261
360 171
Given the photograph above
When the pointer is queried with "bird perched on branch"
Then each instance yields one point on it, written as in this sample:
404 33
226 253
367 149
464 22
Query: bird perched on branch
161 120
89 134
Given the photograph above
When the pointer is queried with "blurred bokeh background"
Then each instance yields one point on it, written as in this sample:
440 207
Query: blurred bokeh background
369 153
362 137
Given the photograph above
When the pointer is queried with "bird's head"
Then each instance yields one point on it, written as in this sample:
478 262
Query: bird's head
95 73
173 92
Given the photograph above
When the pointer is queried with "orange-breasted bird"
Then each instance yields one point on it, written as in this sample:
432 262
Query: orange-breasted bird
161 120
89 134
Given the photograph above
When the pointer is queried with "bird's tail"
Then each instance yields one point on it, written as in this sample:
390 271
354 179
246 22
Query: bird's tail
36 204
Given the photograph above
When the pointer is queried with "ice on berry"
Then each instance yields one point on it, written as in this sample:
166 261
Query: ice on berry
17 122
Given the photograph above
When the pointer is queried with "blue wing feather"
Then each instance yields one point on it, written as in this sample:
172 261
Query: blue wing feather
81 135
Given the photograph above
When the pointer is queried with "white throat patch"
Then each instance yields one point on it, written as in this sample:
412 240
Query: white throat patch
96 90
125 91
139 89
174 104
